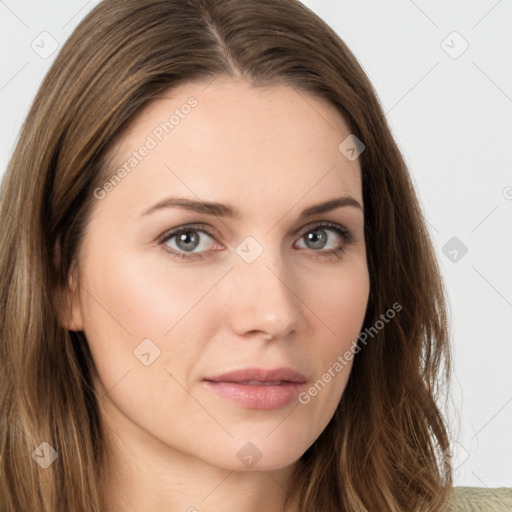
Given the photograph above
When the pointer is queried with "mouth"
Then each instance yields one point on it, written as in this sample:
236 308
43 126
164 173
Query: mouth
261 383
256 388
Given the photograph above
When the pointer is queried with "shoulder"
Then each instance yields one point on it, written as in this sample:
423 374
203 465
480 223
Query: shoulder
481 499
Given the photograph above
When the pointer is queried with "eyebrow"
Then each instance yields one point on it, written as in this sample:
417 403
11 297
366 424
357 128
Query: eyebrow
224 210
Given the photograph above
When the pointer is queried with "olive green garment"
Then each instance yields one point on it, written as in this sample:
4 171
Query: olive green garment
481 499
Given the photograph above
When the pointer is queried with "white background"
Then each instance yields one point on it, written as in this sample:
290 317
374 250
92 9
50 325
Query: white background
451 115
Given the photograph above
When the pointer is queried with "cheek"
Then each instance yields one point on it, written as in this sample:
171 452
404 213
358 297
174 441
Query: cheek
340 301
129 302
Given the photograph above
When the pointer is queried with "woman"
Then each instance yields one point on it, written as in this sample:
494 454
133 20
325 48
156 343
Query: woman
218 291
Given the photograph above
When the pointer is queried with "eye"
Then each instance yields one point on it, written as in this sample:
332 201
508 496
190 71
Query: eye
317 237
187 241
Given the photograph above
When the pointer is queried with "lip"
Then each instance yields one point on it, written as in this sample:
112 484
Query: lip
260 374
258 388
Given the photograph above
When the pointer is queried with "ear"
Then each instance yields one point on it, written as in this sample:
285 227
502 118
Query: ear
68 299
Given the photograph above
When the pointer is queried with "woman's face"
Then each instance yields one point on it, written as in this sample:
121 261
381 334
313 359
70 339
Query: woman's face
269 288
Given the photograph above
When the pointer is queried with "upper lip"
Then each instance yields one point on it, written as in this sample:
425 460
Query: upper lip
260 375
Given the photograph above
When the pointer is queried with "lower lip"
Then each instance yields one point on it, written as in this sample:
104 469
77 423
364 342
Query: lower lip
259 397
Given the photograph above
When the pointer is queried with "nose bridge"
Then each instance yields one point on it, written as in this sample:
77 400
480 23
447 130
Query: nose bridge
262 259
264 299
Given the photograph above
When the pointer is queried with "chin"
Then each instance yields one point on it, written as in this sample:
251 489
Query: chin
257 454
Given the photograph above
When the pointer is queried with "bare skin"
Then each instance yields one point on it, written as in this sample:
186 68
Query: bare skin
173 443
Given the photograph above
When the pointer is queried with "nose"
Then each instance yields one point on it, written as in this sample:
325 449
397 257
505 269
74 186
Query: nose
262 299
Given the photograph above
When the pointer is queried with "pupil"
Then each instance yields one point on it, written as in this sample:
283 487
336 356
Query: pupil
185 238
318 240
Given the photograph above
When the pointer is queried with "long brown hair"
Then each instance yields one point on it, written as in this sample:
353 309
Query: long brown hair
383 449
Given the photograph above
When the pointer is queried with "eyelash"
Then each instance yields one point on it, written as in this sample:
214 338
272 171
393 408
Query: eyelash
345 234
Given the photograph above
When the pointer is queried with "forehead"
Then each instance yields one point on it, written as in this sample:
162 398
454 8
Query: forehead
211 140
